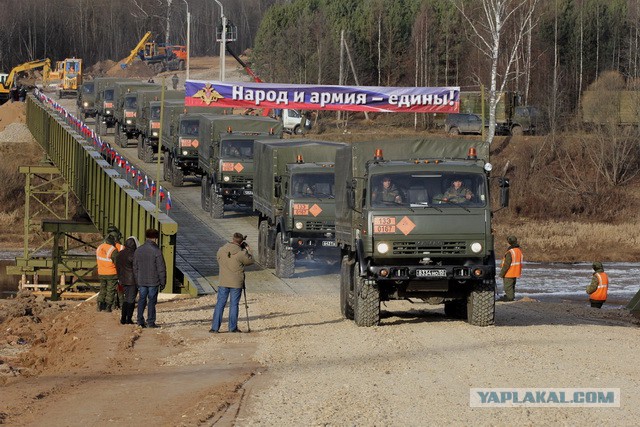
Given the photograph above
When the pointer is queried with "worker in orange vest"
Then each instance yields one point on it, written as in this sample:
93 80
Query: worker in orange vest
106 256
511 269
599 286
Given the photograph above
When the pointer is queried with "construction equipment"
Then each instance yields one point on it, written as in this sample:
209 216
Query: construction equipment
5 87
136 50
71 77
57 72
163 57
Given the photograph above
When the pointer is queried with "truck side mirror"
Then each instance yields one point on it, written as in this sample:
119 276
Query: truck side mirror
504 192
277 188
351 194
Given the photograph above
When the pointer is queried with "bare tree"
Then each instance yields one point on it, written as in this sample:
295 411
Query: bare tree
487 28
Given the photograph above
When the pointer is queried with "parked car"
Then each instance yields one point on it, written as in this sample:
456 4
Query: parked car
456 124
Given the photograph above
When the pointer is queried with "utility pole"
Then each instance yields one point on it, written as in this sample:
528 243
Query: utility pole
188 38
222 40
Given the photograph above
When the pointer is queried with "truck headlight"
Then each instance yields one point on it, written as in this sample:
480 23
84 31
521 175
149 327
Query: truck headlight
128 121
108 112
476 247
226 178
154 134
383 248
185 153
488 167
298 225
85 104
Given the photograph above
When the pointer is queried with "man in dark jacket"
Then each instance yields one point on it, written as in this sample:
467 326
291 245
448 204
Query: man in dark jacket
232 259
127 279
150 272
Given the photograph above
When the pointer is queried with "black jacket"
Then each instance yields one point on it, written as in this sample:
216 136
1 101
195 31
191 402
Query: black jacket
124 264
148 265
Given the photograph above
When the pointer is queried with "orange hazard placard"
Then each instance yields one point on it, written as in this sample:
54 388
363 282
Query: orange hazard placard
300 209
384 224
227 166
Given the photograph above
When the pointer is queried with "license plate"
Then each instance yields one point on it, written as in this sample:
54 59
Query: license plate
248 192
329 243
432 272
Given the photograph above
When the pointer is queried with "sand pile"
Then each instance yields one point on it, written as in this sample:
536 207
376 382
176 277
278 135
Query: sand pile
12 112
100 68
135 69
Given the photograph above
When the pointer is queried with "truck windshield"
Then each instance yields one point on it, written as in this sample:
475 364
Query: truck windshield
445 189
318 185
87 88
108 95
189 127
131 102
155 113
237 148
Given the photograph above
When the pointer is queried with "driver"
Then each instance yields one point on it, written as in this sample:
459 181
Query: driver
388 193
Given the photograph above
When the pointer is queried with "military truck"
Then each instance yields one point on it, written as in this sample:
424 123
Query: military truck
225 157
125 111
181 159
512 118
104 102
294 198
612 107
422 243
148 119
85 100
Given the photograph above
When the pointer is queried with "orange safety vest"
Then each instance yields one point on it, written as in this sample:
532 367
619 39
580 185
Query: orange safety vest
600 294
515 269
106 266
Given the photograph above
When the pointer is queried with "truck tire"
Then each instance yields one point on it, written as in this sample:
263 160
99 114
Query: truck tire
217 206
454 131
166 169
456 309
366 300
140 147
481 303
346 288
516 130
285 259
205 196
148 153
266 253
297 130
177 176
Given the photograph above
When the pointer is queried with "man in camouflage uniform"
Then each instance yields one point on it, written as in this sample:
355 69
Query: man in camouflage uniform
389 193
457 193
107 255
599 286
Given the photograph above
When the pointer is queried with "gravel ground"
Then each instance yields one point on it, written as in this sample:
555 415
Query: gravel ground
16 133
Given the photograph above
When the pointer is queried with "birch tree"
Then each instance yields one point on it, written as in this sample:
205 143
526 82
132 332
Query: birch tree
487 29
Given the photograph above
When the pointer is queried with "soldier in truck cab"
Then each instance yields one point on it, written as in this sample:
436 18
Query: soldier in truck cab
387 192
457 192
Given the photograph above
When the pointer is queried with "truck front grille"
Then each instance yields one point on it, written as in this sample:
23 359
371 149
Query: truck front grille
320 225
429 248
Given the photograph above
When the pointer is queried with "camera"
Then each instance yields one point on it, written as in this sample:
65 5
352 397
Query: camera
243 245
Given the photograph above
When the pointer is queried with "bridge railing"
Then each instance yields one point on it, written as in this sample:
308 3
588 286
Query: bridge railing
107 197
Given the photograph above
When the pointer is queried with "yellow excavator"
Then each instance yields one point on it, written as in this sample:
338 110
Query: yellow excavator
5 87
134 52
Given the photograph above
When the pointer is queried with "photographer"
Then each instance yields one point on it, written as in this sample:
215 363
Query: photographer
233 257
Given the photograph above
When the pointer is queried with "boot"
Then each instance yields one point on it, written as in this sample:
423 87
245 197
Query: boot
99 306
107 308
130 311
123 315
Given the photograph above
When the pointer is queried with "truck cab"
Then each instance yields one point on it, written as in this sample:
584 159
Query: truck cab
427 235
85 100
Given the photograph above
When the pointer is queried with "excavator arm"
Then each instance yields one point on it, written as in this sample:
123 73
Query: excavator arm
135 50
265 112
45 64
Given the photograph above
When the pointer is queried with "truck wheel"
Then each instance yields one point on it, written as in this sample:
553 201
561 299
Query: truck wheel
456 309
285 259
297 130
267 256
148 153
366 300
481 303
177 176
140 147
516 130
167 167
454 131
205 197
346 288
217 206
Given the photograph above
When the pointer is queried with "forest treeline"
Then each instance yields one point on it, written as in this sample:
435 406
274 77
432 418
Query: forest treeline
391 42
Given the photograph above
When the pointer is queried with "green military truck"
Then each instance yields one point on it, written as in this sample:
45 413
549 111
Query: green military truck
125 111
294 198
104 102
512 118
180 158
225 157
409 237
148 119
85 100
